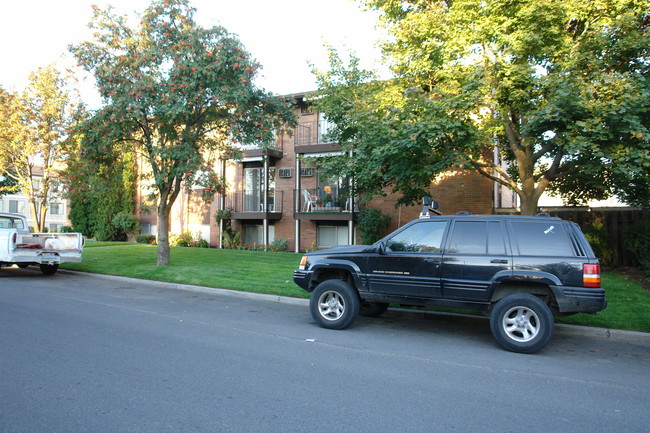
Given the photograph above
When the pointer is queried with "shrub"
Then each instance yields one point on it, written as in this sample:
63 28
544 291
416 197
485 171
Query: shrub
145 239
372 225
126 223
637 239
232 240
279 245
202 243
65 229
597 237
185 239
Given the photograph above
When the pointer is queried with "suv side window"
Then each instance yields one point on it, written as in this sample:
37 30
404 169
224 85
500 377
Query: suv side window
542 239
496 242
477 237
423 237
469 237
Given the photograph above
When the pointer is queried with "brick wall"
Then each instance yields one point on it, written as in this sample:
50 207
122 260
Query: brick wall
454 191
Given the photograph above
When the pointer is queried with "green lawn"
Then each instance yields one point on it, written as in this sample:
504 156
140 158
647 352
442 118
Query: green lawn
269 272
252 271
628 306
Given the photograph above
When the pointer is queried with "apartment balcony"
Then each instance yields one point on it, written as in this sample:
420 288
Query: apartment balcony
315 204
250 206
309 138
257 151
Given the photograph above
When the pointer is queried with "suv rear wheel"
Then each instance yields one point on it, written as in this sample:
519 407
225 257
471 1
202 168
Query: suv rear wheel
334 304
521 323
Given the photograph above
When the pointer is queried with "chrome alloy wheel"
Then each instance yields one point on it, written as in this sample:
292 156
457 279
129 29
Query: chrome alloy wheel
521 324
331 305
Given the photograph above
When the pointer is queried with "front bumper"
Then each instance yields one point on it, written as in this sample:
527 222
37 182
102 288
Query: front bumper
302 278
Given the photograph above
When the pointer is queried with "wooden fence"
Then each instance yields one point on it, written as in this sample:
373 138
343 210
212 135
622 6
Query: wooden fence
615 221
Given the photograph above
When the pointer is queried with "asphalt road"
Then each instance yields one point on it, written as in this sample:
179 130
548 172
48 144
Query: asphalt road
82 354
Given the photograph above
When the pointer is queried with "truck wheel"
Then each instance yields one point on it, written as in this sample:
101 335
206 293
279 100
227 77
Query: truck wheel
521 323
372 308
49 269
334 304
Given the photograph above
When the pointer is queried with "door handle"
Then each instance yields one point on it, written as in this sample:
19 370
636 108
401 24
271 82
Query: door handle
436 261
501 261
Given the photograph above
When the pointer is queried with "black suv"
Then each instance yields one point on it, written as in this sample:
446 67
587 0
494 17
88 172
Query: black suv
523 270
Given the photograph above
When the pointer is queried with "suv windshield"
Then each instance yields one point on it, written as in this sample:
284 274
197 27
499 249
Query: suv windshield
422 237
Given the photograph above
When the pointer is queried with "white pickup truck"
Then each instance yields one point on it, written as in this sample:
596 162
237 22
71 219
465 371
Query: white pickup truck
20 247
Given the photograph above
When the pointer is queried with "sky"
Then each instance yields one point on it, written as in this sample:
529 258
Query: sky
283 35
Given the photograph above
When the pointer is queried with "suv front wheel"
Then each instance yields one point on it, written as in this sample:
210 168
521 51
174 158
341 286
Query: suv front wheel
334 304
521 323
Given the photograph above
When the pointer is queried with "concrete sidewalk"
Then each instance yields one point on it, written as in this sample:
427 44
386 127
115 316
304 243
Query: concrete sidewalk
569 330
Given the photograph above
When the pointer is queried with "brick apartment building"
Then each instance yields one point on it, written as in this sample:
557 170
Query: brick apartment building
280 194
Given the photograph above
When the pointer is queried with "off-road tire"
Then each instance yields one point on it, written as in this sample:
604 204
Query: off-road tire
49 269
334 304
521 323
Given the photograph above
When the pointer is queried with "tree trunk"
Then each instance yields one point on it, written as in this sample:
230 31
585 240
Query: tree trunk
530 194
36 217
43 214
163 236
528 205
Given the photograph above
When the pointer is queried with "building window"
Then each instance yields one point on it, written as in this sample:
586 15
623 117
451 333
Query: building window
254 235
325 128
56 209
254 189
331 236
148 229
54 228
17 206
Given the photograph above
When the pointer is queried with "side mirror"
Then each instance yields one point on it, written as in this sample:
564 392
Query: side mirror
381 248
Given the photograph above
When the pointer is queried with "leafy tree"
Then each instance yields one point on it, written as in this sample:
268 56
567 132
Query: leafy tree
99 190
175 93
372 225
7 185
535 95
34 125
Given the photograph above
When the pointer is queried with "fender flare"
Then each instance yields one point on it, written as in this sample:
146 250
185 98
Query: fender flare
350 267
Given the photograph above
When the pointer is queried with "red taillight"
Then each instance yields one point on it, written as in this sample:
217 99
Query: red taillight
591 275
83 241
15 238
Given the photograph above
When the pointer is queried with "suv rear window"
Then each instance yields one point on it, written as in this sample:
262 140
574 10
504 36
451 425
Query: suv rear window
542 239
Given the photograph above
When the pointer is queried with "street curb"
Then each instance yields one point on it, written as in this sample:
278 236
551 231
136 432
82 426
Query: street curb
620 335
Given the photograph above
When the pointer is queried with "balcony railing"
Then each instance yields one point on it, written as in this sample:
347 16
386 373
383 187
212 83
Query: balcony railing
309 134
244 201
318 200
